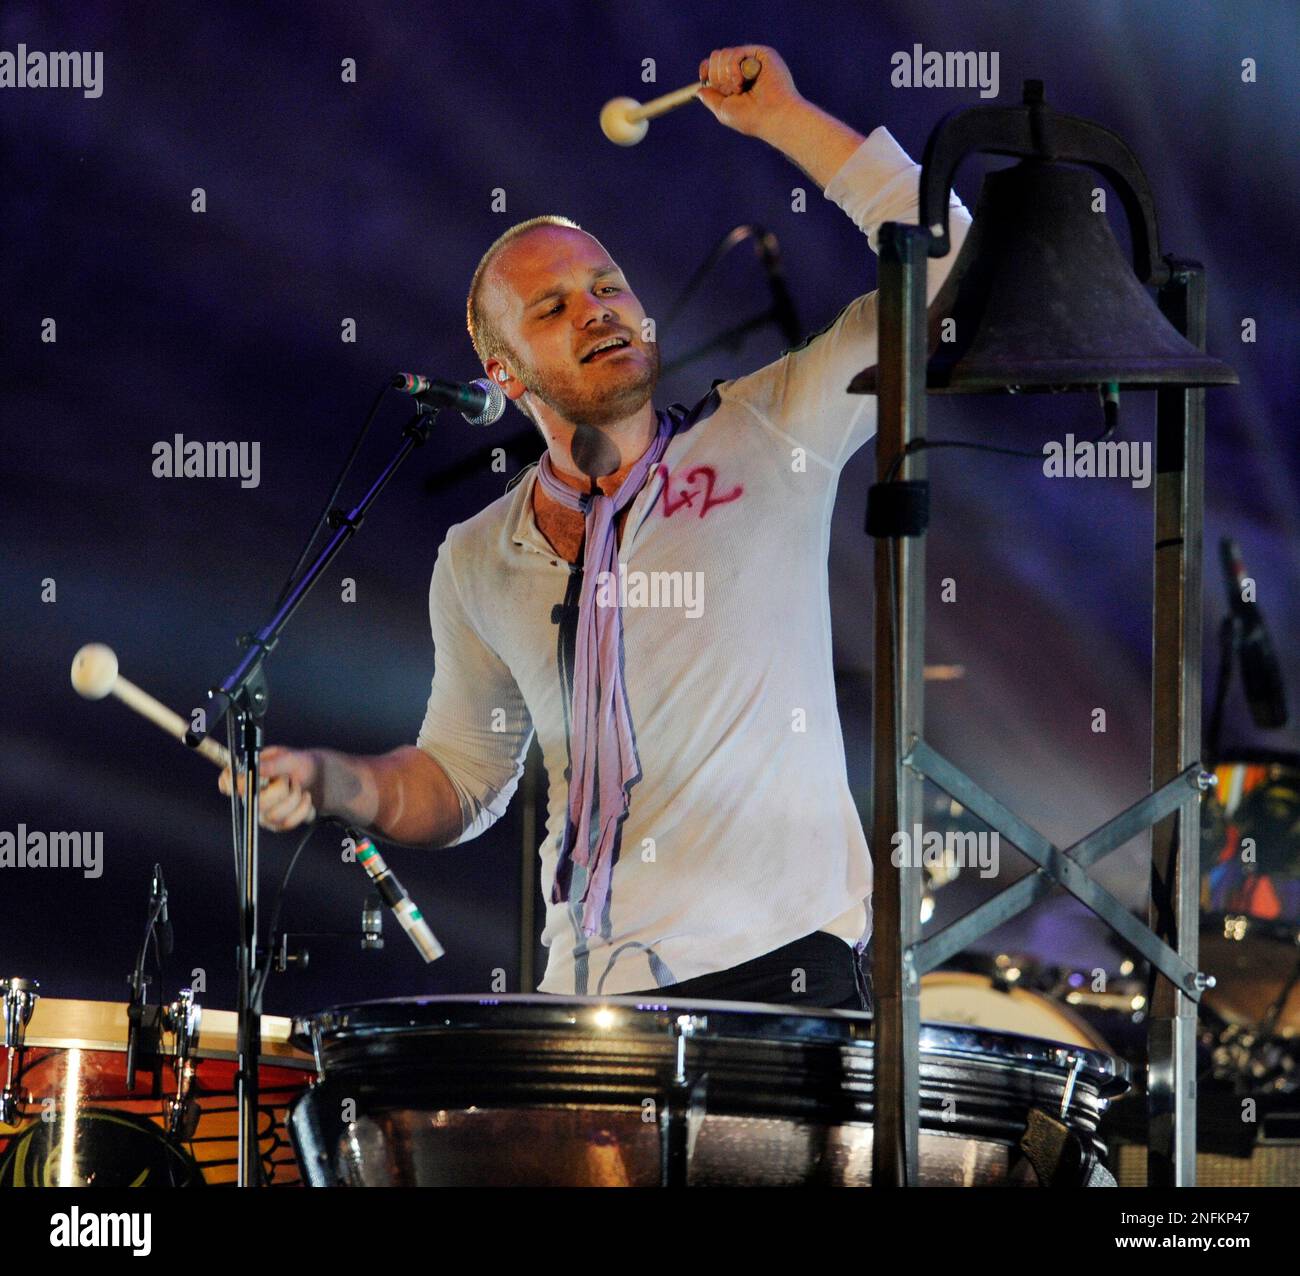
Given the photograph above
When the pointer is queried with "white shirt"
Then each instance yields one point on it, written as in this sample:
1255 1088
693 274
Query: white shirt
742 834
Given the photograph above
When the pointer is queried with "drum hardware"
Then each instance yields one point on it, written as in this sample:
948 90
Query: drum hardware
682 1109
1059 1157
1075 1068
1014 994
145 1039
95 674
371 936
301 958
20 998
184 1019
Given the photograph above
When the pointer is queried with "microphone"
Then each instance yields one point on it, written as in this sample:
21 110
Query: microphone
399 902
1261 675
783 312
158 900
479 402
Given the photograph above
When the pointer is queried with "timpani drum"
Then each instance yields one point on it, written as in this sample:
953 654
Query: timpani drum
620 1091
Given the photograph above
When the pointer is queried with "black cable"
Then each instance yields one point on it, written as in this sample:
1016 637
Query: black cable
265 972
1110 412
154 914
921 445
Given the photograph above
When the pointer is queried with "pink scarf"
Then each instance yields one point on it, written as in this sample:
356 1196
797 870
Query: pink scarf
603 762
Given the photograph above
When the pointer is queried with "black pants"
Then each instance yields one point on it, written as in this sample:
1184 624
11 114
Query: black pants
823 967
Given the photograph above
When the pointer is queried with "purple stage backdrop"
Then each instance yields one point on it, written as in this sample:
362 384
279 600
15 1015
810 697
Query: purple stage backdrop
136 309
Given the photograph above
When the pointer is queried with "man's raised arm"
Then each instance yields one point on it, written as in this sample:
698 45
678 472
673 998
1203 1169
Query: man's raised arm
802 397
774 111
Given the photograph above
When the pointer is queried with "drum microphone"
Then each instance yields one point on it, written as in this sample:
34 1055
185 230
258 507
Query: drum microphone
1261 675
399 902
479 402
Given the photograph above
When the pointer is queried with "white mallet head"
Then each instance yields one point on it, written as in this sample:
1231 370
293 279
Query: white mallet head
616 125
94 671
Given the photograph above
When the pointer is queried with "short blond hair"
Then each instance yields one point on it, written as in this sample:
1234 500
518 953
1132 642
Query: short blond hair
483 331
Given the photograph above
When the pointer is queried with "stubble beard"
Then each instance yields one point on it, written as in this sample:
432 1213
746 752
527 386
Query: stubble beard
581 401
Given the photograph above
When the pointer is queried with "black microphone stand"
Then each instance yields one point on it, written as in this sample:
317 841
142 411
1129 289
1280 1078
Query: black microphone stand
242 696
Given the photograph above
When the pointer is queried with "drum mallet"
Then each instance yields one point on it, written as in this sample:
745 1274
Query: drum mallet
95 675
625 121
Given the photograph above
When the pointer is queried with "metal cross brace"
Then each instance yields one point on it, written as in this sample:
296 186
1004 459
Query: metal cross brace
1054 866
